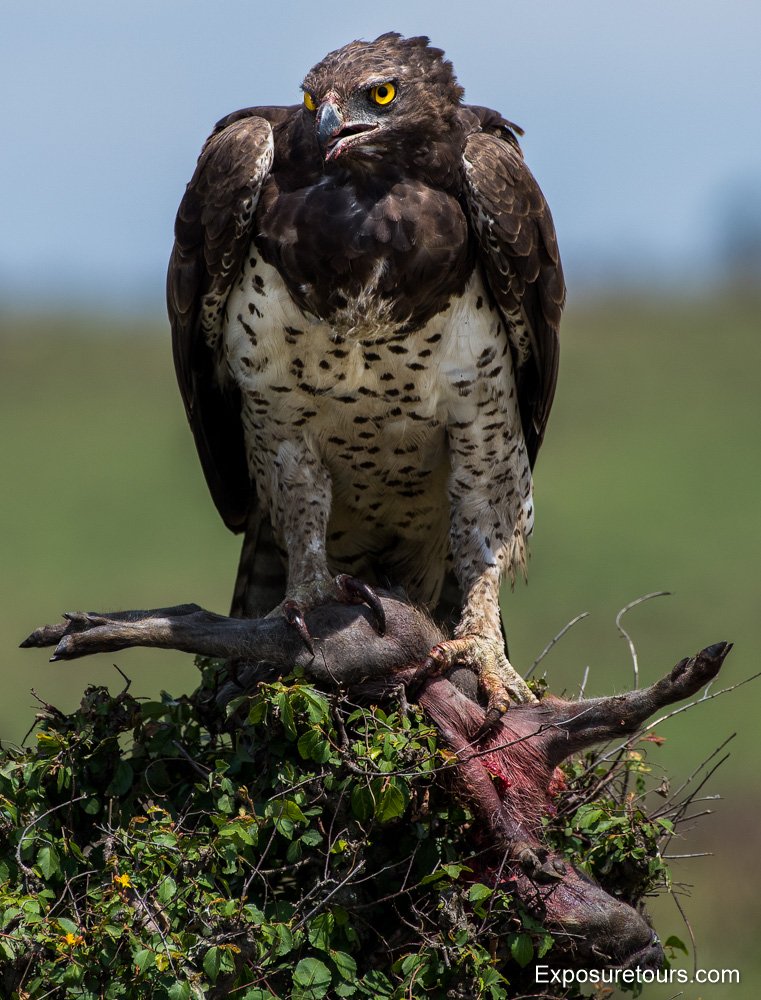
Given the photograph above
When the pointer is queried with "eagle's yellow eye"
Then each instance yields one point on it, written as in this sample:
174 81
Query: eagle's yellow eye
383 94
309 102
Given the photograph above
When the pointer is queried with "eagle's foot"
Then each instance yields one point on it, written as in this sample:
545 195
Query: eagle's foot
355 591
343 589
485 656
293 612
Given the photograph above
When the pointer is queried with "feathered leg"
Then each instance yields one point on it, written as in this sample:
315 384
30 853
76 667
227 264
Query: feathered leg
299 490
491 516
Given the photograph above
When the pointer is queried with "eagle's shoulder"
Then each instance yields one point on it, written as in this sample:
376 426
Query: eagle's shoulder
295 151
483 119
275 114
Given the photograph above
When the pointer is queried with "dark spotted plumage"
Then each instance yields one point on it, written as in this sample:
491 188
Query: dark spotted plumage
365 299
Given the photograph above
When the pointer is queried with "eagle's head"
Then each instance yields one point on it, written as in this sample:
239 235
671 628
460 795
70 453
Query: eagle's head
392 98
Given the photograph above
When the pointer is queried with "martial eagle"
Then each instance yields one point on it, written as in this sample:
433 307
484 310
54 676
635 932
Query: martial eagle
365 292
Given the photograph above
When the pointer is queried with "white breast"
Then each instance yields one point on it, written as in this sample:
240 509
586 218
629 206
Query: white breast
372 403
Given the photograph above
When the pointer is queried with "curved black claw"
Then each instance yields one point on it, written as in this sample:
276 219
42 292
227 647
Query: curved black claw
294 615
358 592
488 726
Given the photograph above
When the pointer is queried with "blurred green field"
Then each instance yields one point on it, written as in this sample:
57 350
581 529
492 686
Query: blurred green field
650 479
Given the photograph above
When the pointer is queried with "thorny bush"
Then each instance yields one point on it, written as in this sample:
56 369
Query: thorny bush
313 850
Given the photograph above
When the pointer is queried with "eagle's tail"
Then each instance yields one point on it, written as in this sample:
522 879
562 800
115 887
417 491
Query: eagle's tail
260 583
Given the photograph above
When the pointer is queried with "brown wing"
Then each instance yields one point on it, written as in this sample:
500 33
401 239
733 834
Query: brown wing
213 233
519 256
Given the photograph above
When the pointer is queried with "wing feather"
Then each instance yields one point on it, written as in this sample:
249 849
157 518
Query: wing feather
520 258
213 233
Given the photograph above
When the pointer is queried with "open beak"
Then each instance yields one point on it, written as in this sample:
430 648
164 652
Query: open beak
334 134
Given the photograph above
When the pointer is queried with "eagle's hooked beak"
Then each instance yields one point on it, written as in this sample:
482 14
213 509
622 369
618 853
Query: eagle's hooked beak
328 124
334 134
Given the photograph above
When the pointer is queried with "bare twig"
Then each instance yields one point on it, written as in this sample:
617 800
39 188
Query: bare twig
553 641
697 854
198 768
28 873
675 794
690 931
625 634
583 686
324 901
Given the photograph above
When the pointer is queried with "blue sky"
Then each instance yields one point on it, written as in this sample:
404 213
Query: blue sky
643 122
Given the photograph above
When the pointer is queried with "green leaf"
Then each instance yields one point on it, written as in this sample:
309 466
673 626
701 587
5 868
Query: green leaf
478 892
411 963
391 803
257 711
73 975
317 707
164 839
279 937
454 871
144 959
167 890
587 817
285 814
312 979
239 831
212 962
122 779
375 984
321 930
285 709
676 943
226 804
345 989
522 949
153 710
313 745
48 861
437 876
253 914
180 991
6 949
292 810
347 967
67 926
362 802
448 871
545 945
63 779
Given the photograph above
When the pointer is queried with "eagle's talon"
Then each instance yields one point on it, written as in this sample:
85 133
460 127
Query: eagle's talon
413 682
490 723
356 591
294 615
497 678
